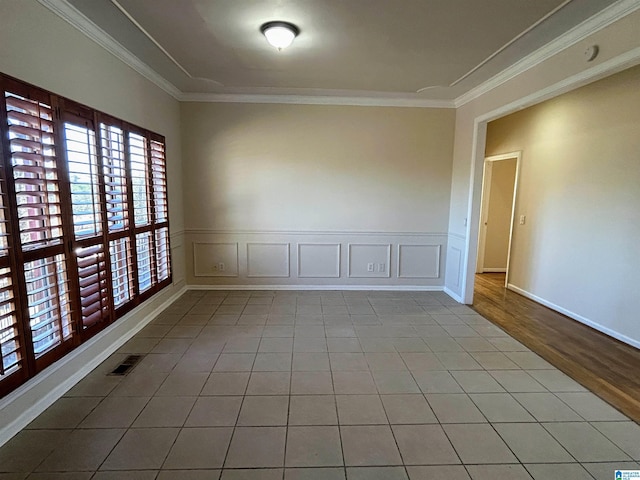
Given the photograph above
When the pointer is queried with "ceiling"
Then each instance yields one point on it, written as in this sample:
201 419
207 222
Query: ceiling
394 49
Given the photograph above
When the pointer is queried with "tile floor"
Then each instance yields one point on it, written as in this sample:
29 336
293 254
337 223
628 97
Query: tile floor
324 385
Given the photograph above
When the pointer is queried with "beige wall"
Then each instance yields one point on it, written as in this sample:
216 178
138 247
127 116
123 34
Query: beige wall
316 168
580 192
312 194
40 48
503 175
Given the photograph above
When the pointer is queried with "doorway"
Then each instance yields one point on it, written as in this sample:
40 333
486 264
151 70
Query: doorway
498 200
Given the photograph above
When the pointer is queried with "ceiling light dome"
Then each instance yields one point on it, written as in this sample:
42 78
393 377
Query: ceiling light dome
280 34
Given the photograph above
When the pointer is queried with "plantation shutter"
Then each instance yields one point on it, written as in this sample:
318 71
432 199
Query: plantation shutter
34 165
160 209
114 170
84 227
11 355
86 185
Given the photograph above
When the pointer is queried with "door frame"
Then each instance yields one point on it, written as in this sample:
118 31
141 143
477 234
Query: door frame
484 209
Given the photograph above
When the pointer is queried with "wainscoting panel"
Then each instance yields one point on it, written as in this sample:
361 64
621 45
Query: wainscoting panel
453 276
369 260
418 261
215 259
318 260
315 260
268 260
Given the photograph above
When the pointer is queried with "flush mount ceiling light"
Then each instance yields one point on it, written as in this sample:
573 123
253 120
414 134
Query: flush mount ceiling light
280 34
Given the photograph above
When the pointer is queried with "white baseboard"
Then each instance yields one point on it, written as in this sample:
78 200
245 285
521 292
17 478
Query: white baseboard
494 270
390 288
453 294
23 405
575 316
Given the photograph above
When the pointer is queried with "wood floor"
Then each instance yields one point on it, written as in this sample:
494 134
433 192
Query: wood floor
607 367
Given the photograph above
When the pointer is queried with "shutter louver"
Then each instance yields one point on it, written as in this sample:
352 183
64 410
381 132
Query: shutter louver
162 253
48 299
94 291
121 279
159 179
146 264
115 176
32 146
139 178
9 340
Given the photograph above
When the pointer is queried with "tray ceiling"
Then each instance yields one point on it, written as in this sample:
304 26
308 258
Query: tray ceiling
405 49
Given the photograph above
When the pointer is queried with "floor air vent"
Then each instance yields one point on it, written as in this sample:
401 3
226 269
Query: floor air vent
127 365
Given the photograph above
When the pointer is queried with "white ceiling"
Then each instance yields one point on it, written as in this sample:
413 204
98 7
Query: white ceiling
394 49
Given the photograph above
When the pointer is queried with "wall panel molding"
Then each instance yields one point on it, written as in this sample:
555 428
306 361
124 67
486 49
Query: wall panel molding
361 255
318 264
316 260
215 259
418 261
266 259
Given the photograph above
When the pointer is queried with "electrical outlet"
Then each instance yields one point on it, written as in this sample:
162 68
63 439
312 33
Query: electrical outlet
370 267
523 219
221 267
381 267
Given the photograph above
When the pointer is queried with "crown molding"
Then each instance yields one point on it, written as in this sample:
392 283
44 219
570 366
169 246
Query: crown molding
75 18
369 101
606 17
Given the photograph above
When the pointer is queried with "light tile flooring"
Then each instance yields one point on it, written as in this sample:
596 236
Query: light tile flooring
324 385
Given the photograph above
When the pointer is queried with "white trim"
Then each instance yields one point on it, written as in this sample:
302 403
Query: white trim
158 44
512 41
485 200
293 288
453 294
34 397
78 20
488 165
204 231
590 26
575 316
369 101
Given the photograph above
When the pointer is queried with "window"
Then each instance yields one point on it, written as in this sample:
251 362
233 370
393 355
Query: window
84 232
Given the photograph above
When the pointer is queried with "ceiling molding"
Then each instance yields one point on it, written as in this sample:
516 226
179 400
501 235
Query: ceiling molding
599 21
511 42
75 18
597 72
315 100
158 45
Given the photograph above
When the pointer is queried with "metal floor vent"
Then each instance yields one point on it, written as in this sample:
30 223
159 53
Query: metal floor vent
127 365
